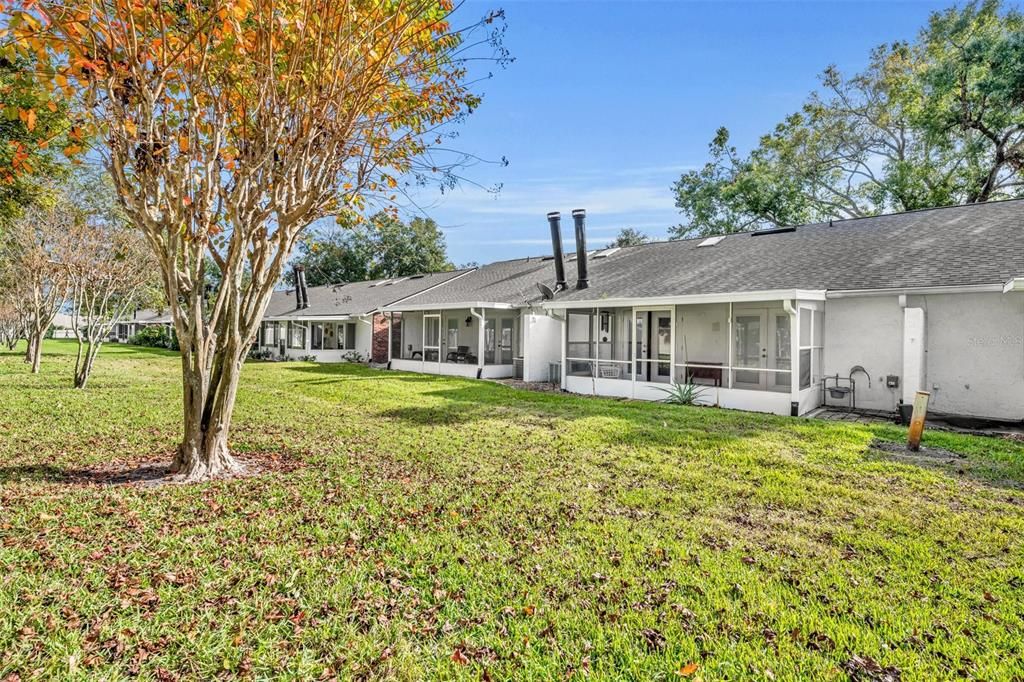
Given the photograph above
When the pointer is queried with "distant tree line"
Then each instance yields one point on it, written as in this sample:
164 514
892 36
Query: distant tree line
936 121
377 247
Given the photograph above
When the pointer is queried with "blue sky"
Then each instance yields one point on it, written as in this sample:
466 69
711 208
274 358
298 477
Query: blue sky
607 103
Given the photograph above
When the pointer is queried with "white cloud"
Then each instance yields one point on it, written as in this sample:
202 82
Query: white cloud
538 200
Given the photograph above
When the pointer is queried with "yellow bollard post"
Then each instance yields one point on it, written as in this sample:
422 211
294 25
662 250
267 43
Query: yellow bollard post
917 421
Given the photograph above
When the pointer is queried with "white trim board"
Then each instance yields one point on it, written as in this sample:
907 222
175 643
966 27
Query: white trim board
692 299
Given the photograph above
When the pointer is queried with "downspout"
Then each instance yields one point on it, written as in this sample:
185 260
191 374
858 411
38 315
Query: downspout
561 343
479 341
794 362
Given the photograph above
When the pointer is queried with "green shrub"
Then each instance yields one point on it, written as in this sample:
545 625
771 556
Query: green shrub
156 336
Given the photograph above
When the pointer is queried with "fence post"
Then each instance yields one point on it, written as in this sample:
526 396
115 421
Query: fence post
917 420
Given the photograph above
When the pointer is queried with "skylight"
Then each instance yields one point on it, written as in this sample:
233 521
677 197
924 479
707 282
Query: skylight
605 253
711 241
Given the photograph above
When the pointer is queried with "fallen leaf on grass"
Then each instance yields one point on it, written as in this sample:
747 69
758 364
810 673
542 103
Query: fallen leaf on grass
655 640
866 668
687 670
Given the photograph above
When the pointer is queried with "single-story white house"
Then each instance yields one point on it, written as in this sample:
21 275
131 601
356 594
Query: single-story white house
338 322
486 323
123 331
856 313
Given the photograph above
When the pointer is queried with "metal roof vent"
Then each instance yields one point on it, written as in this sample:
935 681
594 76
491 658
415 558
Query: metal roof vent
711 241
774 230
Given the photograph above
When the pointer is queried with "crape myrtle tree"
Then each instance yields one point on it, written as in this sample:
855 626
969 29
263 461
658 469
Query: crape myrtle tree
110 273
229 126
30 250
14 318
109 267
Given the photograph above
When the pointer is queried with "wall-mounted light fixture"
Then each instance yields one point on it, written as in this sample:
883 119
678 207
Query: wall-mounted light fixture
469 321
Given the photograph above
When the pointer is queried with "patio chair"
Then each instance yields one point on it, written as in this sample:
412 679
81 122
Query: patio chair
460 354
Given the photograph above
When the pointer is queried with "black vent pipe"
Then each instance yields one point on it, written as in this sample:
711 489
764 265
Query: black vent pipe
554 219
582 275
301 297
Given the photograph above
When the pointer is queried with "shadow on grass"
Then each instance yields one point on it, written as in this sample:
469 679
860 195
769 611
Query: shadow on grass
48 473
344 371
955 465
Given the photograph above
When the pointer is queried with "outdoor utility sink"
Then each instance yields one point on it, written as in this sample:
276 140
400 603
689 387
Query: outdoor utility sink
839 392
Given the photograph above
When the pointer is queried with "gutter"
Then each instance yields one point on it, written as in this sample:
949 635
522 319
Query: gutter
1015 284
921 291
691 299
451 306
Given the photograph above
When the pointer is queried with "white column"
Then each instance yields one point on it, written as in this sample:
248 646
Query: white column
481 349
732 346
672 348
391 324
914 369
794 351
564 336
634 345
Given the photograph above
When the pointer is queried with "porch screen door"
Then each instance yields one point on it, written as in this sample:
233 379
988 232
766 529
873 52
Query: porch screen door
751 351
452 335
507 329
432 338
489 341
654 346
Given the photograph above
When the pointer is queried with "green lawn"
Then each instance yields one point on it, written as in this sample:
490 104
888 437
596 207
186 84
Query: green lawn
445 528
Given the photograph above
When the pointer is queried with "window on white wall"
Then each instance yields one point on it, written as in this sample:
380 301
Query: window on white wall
296 335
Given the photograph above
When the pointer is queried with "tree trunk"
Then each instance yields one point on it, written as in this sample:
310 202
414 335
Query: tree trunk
84 363
36 350
209 390
29 353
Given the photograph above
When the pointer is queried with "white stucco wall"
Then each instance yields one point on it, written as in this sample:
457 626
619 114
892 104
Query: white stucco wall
975 354
542 336
866 331
973 361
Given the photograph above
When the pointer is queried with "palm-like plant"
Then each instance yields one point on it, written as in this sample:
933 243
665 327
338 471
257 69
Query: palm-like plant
683 394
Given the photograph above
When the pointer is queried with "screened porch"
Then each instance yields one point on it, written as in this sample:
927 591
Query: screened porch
476 342
740 353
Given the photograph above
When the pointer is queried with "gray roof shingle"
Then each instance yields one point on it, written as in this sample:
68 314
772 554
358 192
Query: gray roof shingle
965 245
353 299
505 283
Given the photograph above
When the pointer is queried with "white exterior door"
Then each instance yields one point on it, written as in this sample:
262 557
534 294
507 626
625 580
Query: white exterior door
762 349
751 348
654 346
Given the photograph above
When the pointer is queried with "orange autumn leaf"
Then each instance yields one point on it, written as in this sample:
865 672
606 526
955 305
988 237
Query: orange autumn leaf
687 670
28 117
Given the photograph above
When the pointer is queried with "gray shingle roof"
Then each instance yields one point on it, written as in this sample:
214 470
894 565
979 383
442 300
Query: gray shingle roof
354 299
511 282
976 244
150 316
